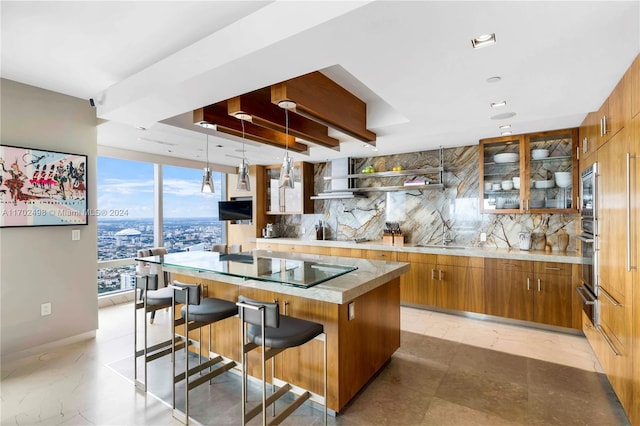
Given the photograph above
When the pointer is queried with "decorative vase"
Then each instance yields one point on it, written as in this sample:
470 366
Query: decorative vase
563 240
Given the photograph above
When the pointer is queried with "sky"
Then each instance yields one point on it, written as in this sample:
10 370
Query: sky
127 186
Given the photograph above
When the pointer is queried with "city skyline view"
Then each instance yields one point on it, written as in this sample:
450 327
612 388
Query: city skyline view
126 186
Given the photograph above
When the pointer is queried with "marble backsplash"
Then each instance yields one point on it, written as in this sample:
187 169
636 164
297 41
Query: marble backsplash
424 214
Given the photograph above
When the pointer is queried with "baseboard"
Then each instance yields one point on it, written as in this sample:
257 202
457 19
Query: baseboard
47 347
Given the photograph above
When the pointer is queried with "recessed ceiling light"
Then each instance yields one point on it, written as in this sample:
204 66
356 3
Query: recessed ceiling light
141 128
505 126
219 146
503 116
498 104
494 79
206 124
505 133
483 40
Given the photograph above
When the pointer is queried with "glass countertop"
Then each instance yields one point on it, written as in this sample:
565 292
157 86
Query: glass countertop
293 272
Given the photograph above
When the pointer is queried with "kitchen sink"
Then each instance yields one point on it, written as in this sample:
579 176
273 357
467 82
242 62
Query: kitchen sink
441 246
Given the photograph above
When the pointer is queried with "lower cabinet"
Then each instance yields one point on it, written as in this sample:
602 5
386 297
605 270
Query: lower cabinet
529 291
443 281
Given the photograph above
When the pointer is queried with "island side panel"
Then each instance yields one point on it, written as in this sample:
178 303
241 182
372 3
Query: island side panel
369 340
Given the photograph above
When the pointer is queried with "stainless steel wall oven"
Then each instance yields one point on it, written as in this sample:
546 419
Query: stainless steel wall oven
588 241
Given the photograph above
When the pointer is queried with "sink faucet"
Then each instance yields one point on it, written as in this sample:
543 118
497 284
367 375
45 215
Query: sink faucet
445 233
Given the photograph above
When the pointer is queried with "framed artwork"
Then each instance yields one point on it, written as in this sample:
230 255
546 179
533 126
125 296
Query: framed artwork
42 188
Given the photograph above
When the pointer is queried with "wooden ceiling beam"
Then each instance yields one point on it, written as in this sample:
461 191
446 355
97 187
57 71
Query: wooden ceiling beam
217 115
321 99
264 113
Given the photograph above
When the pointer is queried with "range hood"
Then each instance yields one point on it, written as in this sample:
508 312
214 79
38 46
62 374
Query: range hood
341 185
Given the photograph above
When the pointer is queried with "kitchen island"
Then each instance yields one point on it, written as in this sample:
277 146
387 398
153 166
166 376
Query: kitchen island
357 301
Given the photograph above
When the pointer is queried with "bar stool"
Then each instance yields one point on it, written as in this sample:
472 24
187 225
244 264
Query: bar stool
258 319
194 315
153 297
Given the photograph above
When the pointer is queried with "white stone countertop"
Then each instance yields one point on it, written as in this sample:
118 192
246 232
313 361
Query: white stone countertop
486 252
369 275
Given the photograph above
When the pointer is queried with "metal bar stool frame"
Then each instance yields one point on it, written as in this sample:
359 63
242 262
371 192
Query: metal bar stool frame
284 388
179 341
149 353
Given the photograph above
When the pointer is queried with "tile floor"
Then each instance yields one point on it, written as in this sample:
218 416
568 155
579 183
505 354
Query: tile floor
450 370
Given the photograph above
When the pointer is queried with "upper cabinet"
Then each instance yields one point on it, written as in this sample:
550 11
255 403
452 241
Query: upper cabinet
536 172
588 140
294 200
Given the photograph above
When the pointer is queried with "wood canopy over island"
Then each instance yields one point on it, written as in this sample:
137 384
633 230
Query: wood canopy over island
359 308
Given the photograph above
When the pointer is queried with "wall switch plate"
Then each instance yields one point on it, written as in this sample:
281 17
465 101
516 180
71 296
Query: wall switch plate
45 309
303 230
352 310
483 236
75 235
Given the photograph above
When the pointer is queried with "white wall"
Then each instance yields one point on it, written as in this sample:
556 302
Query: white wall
42 264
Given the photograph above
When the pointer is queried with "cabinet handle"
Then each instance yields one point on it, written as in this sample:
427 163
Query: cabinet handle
604 125
578 152
433 274
606 339
552 268
538 285
581 291
528 284
513 265
286 306
613 301
440 275
629 265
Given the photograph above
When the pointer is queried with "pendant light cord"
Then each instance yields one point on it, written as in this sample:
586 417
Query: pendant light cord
243 154
286 129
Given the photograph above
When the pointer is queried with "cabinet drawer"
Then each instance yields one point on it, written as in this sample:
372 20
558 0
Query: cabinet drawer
508 265
613 316
379 255
416 257
552 268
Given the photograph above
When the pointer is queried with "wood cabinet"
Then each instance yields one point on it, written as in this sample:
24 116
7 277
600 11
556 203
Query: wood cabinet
534 185
615 280
530 291
416 286
443 281
286 200
634 149
588 139
459 283
634 86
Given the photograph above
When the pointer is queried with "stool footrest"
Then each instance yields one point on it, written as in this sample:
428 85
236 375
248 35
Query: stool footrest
208 363
290 409
270 400
206 377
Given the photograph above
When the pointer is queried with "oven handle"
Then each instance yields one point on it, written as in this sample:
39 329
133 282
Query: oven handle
581 292
585 239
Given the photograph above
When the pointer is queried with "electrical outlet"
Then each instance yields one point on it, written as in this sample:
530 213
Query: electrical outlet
303 230
483 236
352 310
45 309
75 235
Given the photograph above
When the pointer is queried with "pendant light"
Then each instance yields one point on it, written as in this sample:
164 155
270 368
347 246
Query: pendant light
207 180
286 174
243 171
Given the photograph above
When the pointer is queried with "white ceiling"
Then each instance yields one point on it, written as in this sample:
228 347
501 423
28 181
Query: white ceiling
150 64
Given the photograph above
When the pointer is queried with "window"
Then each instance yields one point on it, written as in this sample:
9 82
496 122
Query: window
190 219
126 221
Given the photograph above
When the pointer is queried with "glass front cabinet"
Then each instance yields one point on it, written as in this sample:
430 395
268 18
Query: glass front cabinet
533 173
294 200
